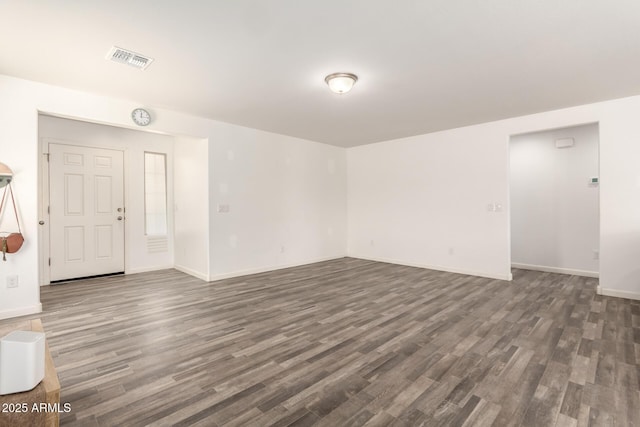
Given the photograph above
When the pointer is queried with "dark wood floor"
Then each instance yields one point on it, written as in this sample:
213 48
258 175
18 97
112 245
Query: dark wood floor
345 342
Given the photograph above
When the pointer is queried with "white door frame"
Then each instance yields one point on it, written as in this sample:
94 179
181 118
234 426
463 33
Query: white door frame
44 229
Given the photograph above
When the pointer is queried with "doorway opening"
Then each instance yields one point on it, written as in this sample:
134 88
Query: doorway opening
93 215
554 200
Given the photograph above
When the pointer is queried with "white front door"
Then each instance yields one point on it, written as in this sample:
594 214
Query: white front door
86 201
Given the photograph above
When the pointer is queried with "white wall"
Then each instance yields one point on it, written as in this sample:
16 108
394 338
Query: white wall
287 202
433 199
19 150
422 201
191 210
133 143
418 197
321 204
554 209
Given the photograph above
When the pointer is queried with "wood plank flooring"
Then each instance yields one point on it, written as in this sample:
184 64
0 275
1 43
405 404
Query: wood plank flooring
344 343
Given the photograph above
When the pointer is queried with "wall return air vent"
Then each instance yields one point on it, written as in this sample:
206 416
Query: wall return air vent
123 56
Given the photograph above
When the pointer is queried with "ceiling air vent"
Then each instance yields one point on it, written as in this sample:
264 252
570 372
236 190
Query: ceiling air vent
123 56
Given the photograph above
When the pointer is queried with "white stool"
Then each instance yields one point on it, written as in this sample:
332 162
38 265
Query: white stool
21 361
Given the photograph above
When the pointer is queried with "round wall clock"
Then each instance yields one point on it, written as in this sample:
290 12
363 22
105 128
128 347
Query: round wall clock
141 117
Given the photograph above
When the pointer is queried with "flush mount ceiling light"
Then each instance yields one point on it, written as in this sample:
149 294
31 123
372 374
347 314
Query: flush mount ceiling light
341 82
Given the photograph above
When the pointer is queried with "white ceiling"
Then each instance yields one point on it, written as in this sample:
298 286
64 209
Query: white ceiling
424 65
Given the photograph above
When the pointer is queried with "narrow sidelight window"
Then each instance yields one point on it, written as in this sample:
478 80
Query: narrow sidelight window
155 194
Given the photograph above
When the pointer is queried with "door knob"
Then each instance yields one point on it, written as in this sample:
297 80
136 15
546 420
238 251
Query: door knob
119 218
41 222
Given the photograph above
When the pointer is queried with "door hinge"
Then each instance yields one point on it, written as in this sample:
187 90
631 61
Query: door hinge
47 156
49 262
48 209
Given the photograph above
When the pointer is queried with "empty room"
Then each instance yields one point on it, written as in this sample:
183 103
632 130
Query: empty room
339 213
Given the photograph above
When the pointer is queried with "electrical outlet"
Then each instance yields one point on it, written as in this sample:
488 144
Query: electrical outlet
12 281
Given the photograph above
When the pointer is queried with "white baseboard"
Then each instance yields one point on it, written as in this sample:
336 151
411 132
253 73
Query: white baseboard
618 294
508 276
558 270
191 272
22 311
147 269
247 272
